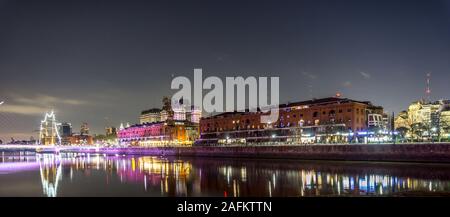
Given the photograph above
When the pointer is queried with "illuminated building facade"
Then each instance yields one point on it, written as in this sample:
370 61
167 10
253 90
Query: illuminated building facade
178 112
150 116
48 131
80 139
168 133
175 124
424 120
444 123
327 120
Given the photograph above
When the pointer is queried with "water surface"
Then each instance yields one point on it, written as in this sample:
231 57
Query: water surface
78 174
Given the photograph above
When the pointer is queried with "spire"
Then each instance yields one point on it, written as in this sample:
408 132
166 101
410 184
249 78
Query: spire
121 126
428 90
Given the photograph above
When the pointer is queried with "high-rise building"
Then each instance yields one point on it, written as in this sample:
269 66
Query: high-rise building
66 129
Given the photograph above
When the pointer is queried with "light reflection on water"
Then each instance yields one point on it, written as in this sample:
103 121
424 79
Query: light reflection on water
78 174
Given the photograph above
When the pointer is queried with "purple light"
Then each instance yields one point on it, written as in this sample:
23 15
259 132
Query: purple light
18 166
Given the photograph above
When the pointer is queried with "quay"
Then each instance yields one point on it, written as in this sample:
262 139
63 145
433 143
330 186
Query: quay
431 152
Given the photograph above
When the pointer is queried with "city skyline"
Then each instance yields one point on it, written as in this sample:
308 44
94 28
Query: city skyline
104 62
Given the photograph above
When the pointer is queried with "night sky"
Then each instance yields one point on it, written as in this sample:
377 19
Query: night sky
102 62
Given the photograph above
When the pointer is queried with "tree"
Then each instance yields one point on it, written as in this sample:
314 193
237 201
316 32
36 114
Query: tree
402 131
418 130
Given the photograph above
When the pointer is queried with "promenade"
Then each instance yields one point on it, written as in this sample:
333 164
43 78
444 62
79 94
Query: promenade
431 153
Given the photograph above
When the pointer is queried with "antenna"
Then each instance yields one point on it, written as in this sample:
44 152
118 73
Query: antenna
428 90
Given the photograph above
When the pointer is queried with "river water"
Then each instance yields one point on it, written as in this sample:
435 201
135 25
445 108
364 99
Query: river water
80 174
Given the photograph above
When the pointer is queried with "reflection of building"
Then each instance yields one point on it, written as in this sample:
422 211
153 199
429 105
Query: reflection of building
51 173
48 132
424 119
331 119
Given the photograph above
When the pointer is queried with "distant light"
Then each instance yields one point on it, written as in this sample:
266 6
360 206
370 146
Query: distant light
273 136
1 103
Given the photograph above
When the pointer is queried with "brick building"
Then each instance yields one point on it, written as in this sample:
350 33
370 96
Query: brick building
330 119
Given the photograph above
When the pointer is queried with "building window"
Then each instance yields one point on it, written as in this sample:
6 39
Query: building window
349 110
315 114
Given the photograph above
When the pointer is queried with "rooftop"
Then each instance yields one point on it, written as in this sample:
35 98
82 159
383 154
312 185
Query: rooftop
153 110
312 102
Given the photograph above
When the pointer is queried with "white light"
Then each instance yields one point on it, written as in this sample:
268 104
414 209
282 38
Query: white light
1 103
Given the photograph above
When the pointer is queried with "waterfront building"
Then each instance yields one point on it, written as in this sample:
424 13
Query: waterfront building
65 132
150 116
424 120
175 125
444 123
168 133
327 120
179 112
164 115
194 114
48 131
80 139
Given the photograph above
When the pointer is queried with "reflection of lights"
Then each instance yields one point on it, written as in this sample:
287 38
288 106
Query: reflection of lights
173 177
270 189
244 174
51 173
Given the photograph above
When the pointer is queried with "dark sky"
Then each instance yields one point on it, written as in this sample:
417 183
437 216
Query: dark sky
104 61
